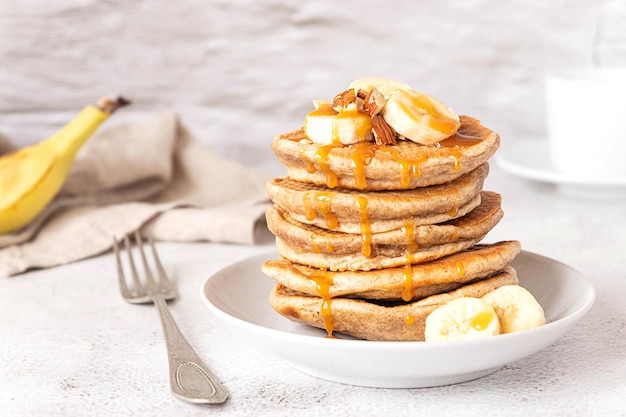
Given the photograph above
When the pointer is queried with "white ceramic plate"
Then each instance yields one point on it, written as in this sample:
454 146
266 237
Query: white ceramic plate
238 294
531 159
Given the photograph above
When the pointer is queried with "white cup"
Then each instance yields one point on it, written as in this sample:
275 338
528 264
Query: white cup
587 121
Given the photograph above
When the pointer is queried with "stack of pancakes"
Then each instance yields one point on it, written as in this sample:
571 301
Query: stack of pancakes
375 237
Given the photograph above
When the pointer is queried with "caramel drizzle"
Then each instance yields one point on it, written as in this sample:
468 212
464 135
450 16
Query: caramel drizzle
411 246
322 281
407 274
321 157
409 168
366 227
363 152
361 155
328 246
436 120
308 165
454 210
454 142
321 201
460 269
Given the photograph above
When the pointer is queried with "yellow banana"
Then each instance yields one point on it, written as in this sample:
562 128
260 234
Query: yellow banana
32 176
462 318
516 307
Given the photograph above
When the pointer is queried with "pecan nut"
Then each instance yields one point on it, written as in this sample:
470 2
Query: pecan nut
383 133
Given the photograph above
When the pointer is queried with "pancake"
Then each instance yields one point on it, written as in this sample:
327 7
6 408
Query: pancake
320 248
375 321
344 210
368 166
422 280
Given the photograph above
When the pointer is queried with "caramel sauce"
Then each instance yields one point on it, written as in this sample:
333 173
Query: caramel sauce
308 165
361 155
460 269
481 320
361 121
320 201
407 273
409 319
409 232
315 246
321 157
454 211
323 110
455 235
437 121
459 139
365 226
322 281
455 141
307 203
411 246
408 167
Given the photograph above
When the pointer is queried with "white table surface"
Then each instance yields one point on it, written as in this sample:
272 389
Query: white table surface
70 346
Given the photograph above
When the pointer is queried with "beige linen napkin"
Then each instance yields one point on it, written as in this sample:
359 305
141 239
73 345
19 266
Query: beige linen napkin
148 175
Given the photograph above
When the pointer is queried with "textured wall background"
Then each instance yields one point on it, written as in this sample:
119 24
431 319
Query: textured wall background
240 71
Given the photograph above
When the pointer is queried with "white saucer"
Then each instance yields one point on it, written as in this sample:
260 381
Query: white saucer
238 294
531 159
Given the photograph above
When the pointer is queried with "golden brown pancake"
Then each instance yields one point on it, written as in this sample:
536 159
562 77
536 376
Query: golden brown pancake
376 321
320 248
368 166
345 210
419 281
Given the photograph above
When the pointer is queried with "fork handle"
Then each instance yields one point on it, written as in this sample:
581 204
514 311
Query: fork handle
190 379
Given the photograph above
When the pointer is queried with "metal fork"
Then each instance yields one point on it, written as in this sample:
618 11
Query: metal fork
190 379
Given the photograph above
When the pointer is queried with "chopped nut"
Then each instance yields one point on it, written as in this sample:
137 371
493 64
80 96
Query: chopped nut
361 94
373 102
345 99
383 133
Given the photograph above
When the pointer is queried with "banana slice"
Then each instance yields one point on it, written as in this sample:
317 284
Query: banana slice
327 125
419 117
384 85
516 307
462 318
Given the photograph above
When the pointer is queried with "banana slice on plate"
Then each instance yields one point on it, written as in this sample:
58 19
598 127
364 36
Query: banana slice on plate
462 318
516 307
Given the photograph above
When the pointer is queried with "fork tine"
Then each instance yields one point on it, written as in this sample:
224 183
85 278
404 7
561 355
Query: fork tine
165 283
137 287
120 271
153 289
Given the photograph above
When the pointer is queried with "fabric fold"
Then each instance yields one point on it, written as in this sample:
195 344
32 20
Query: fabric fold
149 175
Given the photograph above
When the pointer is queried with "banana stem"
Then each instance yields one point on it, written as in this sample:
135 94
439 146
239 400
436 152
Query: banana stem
109 105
